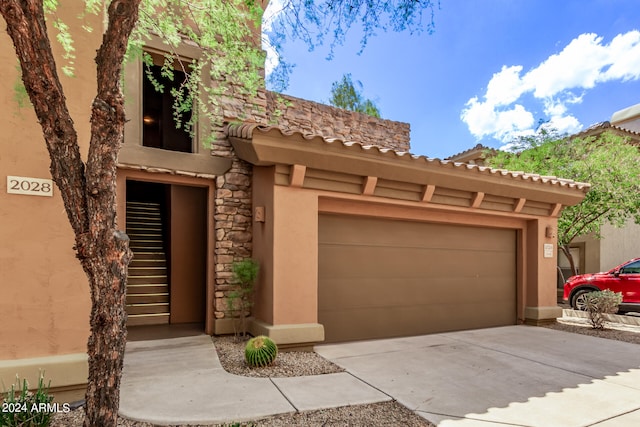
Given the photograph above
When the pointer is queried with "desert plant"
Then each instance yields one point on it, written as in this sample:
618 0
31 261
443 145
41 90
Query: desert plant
600 303
23 408
260 351
240 300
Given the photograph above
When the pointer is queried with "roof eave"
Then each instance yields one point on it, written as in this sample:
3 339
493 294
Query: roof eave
262 146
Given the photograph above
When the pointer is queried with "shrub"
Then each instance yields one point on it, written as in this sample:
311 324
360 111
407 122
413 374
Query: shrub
600 303
22 408
260 351
240 300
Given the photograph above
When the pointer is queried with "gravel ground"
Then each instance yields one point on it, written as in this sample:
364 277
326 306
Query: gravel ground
296 364
287 364
612 331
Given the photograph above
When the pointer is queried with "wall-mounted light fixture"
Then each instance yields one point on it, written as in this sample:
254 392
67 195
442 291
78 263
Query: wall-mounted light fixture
550 232
258 214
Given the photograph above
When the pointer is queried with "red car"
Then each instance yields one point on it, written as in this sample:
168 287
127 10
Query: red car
625 279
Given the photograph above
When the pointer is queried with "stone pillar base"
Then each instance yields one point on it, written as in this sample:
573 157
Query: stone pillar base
230 326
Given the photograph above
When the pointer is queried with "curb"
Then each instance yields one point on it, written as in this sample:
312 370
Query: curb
614 318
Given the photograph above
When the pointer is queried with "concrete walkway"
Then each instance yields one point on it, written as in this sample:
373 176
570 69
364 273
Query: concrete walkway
517 375
181 381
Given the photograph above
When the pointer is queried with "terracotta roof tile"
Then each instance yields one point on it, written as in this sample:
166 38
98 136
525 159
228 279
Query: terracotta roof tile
476 147
246 131
603 126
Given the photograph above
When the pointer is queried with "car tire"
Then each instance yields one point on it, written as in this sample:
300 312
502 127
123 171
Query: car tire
577 301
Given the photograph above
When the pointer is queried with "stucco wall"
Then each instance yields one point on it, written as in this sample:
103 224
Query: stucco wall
616 246
286 245
44 293
627 118
619 244
589 249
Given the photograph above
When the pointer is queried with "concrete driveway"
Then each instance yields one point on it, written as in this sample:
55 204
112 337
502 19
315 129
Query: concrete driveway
516 375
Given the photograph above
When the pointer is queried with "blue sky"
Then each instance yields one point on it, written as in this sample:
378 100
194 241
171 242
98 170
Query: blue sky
490 71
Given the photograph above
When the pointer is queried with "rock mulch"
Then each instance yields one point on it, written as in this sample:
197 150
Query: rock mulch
612 331
287 364
376 414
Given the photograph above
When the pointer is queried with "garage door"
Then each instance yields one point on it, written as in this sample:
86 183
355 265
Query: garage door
382 278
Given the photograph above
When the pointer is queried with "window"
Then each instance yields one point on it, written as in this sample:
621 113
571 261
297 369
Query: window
632 268
159 128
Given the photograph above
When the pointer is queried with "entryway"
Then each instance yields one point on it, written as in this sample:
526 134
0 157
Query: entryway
167 276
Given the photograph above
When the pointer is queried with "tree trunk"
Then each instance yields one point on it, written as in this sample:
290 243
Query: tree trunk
88 193
567 253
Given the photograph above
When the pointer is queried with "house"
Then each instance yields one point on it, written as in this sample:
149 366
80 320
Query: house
356 237
616 245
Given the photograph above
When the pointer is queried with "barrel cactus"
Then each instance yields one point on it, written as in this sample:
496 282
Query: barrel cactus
260 351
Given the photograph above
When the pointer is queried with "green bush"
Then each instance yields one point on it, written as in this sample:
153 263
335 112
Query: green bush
240 300
260 351
600 303
22 408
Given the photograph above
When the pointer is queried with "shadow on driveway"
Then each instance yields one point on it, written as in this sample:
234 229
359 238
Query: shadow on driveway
515 375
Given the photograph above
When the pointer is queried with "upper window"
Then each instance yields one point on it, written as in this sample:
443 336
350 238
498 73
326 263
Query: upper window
159 128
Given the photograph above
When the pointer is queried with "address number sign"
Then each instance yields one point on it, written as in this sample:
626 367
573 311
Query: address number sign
29 186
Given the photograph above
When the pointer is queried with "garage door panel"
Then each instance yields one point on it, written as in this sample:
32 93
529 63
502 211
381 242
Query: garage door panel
397 292
389 233
384 322
426 278
402 260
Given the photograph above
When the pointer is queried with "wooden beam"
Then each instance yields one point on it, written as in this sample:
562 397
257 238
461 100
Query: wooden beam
476 201
517 208
427 193
369 185
296 175
555 210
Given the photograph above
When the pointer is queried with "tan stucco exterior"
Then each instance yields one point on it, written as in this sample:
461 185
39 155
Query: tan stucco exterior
627 118
45 296
616 245
297 178
260 192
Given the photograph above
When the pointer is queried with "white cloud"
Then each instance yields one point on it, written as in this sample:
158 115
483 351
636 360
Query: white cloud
268 18
584 63
505 87
503 124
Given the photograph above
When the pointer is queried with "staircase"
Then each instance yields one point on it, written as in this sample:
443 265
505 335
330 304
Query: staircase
147 284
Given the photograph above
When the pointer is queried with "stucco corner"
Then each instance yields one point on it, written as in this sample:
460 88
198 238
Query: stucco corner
66 374
541 315
288 336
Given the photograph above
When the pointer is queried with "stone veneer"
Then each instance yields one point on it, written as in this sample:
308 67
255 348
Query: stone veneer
233 216
313 118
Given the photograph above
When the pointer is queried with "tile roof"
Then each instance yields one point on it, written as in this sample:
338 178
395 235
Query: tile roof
247 130
470 150
603 126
